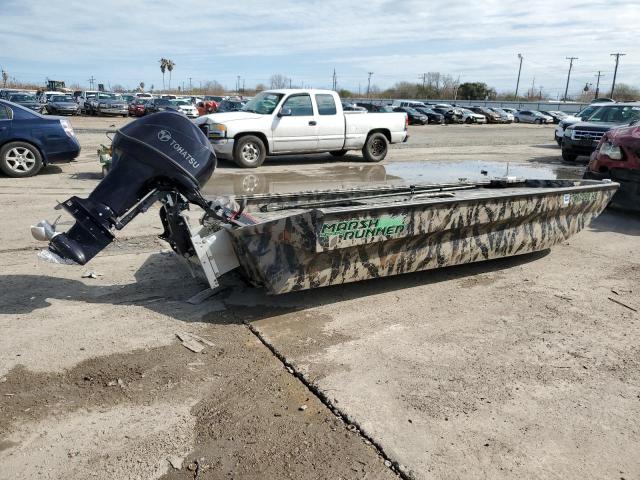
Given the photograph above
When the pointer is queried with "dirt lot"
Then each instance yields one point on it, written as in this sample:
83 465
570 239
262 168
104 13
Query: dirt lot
517 368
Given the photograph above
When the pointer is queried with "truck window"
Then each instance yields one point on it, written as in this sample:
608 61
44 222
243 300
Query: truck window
4 113
326 104
300 105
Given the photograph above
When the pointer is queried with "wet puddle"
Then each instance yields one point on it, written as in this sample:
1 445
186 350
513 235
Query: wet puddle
322 177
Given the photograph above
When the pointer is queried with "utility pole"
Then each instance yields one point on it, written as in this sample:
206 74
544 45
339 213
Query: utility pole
519 70
335 80
243 85
369 84
190 87
91 80
533 87
289 83
615 72
571 59
598 83
237 84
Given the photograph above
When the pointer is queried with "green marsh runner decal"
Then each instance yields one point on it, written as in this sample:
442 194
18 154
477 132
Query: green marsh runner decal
363 228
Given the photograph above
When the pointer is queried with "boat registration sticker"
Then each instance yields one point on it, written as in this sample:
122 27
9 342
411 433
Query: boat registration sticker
566 199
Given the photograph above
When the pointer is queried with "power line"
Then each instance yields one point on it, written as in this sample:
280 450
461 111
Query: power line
91 80
615 72
566 89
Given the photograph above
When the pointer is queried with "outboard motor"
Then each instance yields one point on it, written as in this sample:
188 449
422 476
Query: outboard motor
155 157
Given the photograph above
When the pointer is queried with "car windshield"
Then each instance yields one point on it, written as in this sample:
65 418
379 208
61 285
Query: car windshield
585 112
23 97
264 103
163 101
180 103
616 114
107 96
411 111
62 98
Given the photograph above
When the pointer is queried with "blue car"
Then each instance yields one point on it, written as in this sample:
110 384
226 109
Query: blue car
29 141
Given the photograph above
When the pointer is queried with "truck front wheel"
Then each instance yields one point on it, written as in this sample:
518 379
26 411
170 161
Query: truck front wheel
249 152
375 148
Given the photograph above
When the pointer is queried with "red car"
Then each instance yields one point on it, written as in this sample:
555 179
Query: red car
617 157
138 108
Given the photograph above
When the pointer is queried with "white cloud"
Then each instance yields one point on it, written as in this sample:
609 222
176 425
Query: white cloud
397 40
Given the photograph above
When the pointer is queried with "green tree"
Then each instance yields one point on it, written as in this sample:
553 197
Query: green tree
163 68
475 91
170 66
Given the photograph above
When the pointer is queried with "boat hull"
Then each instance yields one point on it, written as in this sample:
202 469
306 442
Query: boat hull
332 246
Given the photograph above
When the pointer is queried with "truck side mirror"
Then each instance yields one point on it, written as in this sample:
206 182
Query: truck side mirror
285 112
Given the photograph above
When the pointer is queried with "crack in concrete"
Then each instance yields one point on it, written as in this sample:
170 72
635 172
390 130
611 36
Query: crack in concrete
393 465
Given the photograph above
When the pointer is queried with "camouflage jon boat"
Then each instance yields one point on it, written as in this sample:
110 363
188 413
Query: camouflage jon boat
291 242
310 240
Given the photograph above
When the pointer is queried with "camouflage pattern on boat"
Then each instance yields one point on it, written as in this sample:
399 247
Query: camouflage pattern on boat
315 247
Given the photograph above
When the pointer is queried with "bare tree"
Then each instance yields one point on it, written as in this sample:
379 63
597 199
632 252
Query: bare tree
279 81
5 78
142 86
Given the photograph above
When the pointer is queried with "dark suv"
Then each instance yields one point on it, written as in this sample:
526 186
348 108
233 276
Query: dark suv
582 138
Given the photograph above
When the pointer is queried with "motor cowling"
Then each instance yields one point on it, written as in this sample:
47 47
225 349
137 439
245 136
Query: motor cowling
162 152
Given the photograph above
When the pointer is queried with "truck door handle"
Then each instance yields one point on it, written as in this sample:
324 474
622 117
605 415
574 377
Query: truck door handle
312 122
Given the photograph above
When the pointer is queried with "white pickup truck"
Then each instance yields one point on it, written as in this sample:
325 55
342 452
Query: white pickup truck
291 121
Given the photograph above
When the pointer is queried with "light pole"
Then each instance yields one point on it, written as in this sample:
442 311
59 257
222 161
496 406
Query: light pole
519 70
369 84
598 84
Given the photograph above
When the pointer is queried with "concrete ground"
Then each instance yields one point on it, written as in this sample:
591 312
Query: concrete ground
518 368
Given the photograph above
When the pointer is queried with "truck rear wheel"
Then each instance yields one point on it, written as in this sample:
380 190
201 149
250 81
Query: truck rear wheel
249 152
375 148
568 157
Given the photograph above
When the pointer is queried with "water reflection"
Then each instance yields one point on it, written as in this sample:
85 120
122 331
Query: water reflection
238 182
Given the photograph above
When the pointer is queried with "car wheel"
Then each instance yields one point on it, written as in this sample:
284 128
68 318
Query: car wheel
20 159
339 153
538 121
568 157
249 152
517 120
468 120
375 148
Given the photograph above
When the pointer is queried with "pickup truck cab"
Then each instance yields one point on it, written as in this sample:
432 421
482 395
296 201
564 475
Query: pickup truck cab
290 121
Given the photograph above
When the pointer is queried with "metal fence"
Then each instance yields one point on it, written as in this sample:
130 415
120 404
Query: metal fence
562 106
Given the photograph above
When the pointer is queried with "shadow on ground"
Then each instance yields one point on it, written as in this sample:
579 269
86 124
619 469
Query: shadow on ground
163 286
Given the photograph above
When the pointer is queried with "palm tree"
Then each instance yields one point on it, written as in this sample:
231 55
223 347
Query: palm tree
170 66
163 67
142 86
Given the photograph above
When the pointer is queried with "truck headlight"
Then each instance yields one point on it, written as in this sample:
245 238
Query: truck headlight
217 130
567 132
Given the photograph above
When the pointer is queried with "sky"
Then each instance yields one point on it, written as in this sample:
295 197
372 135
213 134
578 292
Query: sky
121 41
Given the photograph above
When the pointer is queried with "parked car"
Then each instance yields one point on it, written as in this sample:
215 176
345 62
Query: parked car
44 97
532 116
432 116
583 137
159 104
472 117
27 100
490 115
415 117
144 95
83 98
5 92
138 108
107 103
186 107
617 157
61 105
507 117
168 96
512 111
556 115
29 141
582 115
300 121
128 97
451 115
230 106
